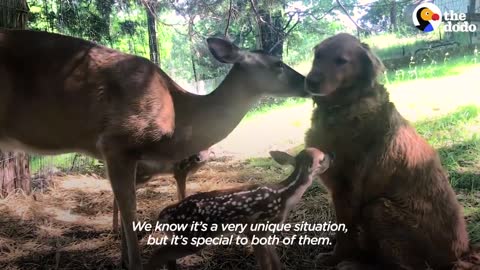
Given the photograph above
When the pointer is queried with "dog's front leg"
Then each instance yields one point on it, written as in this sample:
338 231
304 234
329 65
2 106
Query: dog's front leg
346 247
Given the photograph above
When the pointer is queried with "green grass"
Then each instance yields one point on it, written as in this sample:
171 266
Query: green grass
423 69
391 45
451 67
288 102
38 163
456 138
63 162
471 208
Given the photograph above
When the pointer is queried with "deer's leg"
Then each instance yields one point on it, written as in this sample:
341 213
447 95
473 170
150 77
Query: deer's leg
115 216
183 169
168 255
274 259
124 247
262 255
121 172
181 180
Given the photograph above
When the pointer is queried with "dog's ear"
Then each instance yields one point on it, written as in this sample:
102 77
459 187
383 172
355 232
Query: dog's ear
374 65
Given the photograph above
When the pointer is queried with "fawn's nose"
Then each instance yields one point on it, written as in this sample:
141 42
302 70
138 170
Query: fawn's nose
328 158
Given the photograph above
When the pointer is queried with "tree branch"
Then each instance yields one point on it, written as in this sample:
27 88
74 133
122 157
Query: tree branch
257 15
350 17
285 36
228 20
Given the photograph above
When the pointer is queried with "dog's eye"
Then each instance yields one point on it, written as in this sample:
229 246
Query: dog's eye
340 61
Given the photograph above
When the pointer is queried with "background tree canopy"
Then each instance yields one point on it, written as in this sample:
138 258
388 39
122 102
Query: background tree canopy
172 32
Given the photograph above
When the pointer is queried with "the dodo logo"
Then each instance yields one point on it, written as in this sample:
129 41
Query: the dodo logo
427 17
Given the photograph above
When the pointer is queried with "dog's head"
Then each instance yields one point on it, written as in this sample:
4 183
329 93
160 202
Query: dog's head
342 62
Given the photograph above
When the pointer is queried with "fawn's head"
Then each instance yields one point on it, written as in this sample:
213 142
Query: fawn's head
342 62
316 161
261 72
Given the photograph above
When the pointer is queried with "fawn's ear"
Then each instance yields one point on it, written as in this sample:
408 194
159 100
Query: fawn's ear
282 158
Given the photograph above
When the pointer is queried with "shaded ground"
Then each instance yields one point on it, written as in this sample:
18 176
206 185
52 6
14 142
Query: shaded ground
69 227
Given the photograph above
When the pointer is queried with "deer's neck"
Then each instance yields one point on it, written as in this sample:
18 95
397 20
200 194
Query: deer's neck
293 188
206 120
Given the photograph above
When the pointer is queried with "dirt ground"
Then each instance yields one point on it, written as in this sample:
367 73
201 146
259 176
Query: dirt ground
69 226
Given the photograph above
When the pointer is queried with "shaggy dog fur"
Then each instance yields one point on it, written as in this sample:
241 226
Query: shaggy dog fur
387 184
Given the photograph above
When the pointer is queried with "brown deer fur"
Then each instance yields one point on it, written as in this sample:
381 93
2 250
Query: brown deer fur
61 94
387 184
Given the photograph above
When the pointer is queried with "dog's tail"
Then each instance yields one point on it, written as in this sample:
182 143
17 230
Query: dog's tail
471 261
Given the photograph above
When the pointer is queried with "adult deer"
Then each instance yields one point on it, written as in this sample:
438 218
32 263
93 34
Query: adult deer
71 95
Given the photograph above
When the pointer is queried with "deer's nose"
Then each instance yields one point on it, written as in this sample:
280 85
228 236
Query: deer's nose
313 82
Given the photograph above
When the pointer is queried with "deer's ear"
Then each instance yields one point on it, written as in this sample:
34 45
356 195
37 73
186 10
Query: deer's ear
224 51
282 158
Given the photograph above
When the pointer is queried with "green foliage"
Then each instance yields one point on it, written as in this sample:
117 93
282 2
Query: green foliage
431 69
182 27
457 144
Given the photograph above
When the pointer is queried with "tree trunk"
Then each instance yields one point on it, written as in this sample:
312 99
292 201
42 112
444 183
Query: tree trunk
272 32
152 34
393 16
14 168
14 172
258 32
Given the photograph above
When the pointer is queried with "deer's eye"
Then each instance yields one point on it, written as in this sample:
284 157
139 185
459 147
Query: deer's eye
340 61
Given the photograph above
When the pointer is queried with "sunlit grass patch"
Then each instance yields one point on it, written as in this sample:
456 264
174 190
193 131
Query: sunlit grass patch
429 69
457 145
288 102
63 161
471 206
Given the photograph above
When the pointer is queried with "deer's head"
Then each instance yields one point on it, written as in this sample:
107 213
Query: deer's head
262 72
315 160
